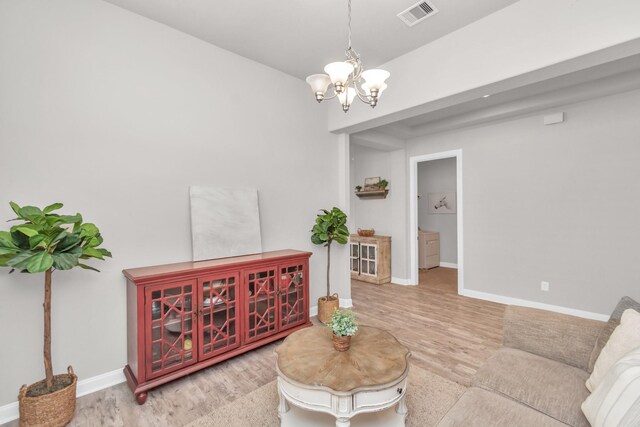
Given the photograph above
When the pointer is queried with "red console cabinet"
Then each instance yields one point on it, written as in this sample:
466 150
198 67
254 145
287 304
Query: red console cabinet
187 316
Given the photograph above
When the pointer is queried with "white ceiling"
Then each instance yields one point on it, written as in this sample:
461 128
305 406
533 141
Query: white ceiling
300 36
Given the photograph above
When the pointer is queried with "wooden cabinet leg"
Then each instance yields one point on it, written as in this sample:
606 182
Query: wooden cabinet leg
141 398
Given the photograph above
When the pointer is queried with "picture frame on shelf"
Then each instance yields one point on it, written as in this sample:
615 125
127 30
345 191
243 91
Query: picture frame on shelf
372 183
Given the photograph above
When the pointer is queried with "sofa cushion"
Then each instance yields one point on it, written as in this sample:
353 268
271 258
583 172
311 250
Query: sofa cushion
614 321
624 338
616 401
545 385
482 408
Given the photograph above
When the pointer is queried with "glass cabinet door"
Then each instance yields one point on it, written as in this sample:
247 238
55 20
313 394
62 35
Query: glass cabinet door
218 315
260 312
355 257
368 259
292 295
170 339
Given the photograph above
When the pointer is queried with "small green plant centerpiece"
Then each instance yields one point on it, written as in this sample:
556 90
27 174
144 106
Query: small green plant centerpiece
343 325
358 188
383 184
43 242
330 226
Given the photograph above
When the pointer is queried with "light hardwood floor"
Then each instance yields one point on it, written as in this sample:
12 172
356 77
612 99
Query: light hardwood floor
447 334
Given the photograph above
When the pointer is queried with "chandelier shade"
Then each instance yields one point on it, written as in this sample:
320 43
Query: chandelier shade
319 84
349 79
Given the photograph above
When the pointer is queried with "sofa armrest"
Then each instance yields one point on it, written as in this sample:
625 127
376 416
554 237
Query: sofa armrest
564 338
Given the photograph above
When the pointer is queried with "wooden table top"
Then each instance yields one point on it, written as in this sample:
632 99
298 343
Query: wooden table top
375 358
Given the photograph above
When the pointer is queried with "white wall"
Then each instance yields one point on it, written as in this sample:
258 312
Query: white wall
116 115
526 42
439 176
386 216
555 203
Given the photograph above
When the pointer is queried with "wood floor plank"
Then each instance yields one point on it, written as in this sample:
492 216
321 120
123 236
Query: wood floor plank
448 334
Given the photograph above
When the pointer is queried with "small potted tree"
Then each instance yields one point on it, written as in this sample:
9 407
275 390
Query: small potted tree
330 226
41 243
343 325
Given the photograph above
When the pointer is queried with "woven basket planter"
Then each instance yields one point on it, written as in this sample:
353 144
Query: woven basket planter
341 343
326 307
49 410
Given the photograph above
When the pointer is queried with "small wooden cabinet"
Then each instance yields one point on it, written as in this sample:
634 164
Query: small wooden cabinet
370 258
187 316
428 249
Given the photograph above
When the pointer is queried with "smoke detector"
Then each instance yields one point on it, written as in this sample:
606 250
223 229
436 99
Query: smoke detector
417 13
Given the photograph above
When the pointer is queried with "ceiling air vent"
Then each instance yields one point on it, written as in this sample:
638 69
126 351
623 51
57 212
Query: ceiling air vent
417 13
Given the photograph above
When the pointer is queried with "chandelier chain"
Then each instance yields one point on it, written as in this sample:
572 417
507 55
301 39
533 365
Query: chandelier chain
349 26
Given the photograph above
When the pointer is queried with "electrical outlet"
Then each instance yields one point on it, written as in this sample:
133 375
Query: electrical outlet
544 286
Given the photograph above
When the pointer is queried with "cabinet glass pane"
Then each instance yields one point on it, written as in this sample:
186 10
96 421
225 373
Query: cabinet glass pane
364 267
354 265
261 313
372 252
292 296
355 249
372 267
219 315
171 335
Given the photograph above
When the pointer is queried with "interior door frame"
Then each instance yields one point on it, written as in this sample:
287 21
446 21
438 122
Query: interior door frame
413 212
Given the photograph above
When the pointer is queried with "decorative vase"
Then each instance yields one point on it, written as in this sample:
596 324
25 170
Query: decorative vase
52 409
341 343
326 307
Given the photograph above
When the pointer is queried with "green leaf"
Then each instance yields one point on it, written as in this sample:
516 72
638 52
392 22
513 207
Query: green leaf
70 219
68 242
105 252
27 231
15 207
316 240
88 267
53 207
30 212
88 230
92 253
341 239
36 240
8 251
94 242
21 260
6 241
64 261
4 260
39 262
21 240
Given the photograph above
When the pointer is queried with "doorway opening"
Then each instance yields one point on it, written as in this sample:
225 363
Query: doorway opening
435 220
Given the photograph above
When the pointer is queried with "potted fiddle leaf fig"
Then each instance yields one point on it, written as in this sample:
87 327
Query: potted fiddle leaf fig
43 242
330 226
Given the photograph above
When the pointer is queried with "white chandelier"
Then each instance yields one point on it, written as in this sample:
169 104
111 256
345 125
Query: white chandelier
349 79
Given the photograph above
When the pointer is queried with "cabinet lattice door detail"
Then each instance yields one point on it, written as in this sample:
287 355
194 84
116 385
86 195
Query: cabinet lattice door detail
170 339
292 295
261 304
218 315
187 316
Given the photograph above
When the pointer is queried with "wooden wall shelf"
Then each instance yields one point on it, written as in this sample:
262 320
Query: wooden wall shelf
372 194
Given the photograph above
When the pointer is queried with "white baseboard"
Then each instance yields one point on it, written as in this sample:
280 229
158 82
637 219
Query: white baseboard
11 411
448 265
533 304
344 303
403 282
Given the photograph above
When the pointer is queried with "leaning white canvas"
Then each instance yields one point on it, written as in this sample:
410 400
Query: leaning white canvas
224 222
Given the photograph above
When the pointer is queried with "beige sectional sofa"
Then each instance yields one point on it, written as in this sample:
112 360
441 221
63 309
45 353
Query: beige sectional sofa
538 377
